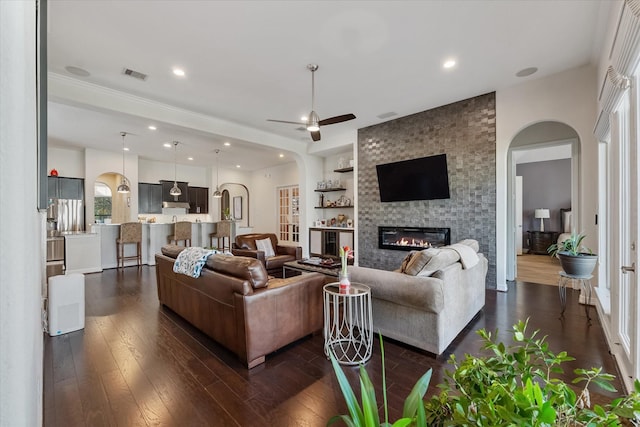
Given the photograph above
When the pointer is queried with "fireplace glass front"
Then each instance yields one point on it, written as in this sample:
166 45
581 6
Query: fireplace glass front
412 238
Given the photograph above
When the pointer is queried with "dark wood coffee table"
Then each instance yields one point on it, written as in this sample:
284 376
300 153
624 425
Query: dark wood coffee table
300 268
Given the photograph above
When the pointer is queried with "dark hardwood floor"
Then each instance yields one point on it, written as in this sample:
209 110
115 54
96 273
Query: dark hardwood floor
137 364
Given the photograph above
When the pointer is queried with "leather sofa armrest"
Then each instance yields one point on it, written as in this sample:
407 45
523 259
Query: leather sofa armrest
289 250
250 253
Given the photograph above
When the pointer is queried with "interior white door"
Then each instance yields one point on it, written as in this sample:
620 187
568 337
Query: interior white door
518 218
624 281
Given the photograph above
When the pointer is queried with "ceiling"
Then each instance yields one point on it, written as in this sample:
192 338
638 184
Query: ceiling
245 62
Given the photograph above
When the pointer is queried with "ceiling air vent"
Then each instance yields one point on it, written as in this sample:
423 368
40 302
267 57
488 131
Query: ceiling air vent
135 74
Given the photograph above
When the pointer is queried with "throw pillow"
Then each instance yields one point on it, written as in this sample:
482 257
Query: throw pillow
406 260
265 246
442 258
419 260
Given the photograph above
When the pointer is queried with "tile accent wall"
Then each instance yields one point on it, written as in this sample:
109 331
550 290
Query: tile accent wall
466 132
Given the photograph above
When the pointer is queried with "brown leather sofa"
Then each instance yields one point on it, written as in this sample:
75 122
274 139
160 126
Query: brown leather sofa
235 303
245 245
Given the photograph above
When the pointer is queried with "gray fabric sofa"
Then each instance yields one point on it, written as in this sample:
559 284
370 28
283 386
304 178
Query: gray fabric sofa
429 309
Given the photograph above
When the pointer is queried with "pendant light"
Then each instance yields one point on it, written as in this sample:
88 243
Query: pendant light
217 194
175 191
123 187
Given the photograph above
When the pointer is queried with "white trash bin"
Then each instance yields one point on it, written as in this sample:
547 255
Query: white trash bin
66 304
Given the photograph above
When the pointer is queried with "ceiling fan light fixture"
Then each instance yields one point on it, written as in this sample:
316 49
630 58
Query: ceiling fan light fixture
313 122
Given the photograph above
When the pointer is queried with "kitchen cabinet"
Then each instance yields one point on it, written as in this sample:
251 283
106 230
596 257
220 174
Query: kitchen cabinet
149 198
326 242
65 188
166 188
198 200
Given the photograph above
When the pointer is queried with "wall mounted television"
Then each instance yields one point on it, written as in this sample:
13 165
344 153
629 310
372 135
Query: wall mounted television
425 178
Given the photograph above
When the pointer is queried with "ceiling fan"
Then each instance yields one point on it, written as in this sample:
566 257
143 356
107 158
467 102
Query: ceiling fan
313 122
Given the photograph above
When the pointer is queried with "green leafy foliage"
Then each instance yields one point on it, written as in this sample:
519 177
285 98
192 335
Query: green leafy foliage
366 414
515 385
572 245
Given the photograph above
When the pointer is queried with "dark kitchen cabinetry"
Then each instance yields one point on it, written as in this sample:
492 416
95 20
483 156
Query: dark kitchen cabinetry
65 188
198 200
166 188
149 198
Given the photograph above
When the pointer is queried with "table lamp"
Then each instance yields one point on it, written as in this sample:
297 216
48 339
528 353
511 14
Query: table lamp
542 214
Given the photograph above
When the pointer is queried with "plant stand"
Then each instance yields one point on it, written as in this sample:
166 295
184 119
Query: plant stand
585 283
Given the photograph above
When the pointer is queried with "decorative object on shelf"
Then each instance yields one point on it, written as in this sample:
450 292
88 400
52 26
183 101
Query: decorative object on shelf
53 172
342 163
341 218
345 251
321 200
349 223
175 190
123 187
575 258
343 201
217 194
542 214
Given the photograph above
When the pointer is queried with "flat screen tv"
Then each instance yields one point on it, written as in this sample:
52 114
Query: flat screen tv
425 178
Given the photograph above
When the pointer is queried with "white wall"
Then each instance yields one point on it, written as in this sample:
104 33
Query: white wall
67 161
264 184
152 171
568 97
22 236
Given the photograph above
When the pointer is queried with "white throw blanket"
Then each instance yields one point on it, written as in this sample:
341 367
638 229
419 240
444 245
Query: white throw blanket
191 260
468 257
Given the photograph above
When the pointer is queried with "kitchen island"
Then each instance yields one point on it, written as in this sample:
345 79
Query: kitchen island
154 237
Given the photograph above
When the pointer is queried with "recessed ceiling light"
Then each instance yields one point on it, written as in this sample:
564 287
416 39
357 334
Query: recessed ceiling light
126 148
167 145
526 72
81 72
179 72
152 127
227 144
281 155
237 166
189 158
449 63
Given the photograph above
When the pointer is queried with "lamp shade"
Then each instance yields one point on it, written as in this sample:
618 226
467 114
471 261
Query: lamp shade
541 213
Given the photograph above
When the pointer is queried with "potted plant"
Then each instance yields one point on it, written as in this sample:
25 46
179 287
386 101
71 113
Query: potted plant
575 259
513 385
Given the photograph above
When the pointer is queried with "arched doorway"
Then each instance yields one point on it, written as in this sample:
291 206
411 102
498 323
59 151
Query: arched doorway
546 135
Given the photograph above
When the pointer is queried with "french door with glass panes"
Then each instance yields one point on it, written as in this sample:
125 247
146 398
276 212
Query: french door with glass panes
289 214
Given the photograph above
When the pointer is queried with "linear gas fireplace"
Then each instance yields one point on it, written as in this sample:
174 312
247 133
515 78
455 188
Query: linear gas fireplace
410 238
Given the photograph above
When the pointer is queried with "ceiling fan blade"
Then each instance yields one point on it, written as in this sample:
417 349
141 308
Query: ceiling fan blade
285 121
315 135
336 119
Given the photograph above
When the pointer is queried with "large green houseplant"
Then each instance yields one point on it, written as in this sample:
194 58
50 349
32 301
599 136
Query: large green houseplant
516 385
575 258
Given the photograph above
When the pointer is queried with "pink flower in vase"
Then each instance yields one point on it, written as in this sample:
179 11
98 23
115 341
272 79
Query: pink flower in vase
345 254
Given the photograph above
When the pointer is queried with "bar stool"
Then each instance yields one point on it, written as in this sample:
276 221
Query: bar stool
223 231
181 231
130 232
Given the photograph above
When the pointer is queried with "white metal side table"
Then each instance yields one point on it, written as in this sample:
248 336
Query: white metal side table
348 323
585 282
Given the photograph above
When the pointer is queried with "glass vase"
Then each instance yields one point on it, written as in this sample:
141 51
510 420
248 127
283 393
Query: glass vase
345 284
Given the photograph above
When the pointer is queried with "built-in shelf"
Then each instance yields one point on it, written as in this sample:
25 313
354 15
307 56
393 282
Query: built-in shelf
326 190
333 207
343 170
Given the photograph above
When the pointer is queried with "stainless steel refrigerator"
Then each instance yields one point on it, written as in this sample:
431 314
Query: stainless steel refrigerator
68 214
